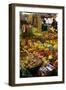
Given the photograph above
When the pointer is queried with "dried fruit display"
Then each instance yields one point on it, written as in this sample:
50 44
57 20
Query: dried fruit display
39 51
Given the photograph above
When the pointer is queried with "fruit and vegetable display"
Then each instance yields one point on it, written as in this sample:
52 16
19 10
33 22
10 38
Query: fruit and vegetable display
38 52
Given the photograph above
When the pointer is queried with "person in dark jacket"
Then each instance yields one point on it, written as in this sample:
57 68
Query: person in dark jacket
54 24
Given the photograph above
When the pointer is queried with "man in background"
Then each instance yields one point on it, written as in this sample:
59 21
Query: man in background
54 24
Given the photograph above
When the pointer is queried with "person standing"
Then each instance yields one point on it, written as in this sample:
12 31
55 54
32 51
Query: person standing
54 24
